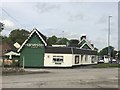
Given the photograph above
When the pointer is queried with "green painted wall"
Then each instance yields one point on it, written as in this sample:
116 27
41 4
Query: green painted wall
82 43
86 47
33 56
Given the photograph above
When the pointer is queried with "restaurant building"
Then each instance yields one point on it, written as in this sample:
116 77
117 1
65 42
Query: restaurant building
34 52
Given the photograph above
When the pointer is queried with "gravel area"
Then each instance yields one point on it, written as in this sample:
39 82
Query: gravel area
64 78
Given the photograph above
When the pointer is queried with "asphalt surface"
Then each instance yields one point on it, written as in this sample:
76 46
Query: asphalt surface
64 78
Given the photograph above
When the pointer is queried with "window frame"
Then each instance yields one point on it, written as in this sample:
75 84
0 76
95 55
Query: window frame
58 59
77 59
82 56
86 58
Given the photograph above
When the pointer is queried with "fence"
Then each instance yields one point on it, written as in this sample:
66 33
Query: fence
9 63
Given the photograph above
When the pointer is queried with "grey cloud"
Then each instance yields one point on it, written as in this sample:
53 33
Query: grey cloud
100 42
75 17
53 31
72 35
113 30
102 20
45 7
59 33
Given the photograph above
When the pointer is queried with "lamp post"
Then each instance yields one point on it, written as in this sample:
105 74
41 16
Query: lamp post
109 51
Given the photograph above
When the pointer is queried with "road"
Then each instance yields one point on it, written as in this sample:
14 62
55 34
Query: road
65 78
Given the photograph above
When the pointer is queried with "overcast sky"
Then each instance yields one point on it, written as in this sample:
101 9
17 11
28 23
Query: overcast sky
74 18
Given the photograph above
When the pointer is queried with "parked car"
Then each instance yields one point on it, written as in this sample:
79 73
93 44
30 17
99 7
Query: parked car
101 61
114 61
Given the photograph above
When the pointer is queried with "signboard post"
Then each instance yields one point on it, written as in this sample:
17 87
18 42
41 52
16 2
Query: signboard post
23 62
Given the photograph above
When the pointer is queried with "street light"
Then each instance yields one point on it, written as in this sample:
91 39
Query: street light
109 51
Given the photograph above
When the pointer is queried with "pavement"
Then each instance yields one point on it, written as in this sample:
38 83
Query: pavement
36 70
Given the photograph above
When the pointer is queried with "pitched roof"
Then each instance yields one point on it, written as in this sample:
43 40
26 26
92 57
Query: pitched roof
40 35
59 50
86 42
69 50
73 45
43 36
5 47
12 53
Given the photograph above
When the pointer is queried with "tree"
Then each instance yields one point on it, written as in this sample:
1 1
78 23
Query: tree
52 40
104 51
113 54
55 40
62 41
5 39
1 26
18 35
74 42
119 55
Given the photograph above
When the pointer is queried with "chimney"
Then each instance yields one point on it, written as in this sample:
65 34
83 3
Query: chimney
92 44
83 36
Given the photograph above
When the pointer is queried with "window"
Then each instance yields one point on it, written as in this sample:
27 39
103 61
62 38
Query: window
57 59
48 56
76 59
92 59
81 58
86 58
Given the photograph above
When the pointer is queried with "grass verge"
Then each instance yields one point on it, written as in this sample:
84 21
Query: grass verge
106 65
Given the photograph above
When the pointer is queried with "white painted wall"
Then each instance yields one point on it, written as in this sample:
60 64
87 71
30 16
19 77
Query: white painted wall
68 60
82 60
87 61
73 60
48 60
106 60
96 61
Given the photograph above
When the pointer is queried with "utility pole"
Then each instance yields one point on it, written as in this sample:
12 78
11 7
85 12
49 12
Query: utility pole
109 49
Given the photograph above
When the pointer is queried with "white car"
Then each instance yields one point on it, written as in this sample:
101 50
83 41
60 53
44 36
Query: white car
114 61
101 61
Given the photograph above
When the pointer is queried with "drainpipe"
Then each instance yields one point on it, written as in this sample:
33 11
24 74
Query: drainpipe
72 54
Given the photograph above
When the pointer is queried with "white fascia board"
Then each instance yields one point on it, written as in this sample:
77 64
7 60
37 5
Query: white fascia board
34 30
81 40
88 45
41 38
22 45
26 41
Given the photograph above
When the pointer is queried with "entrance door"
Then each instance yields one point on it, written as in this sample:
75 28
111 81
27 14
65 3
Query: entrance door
34 60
